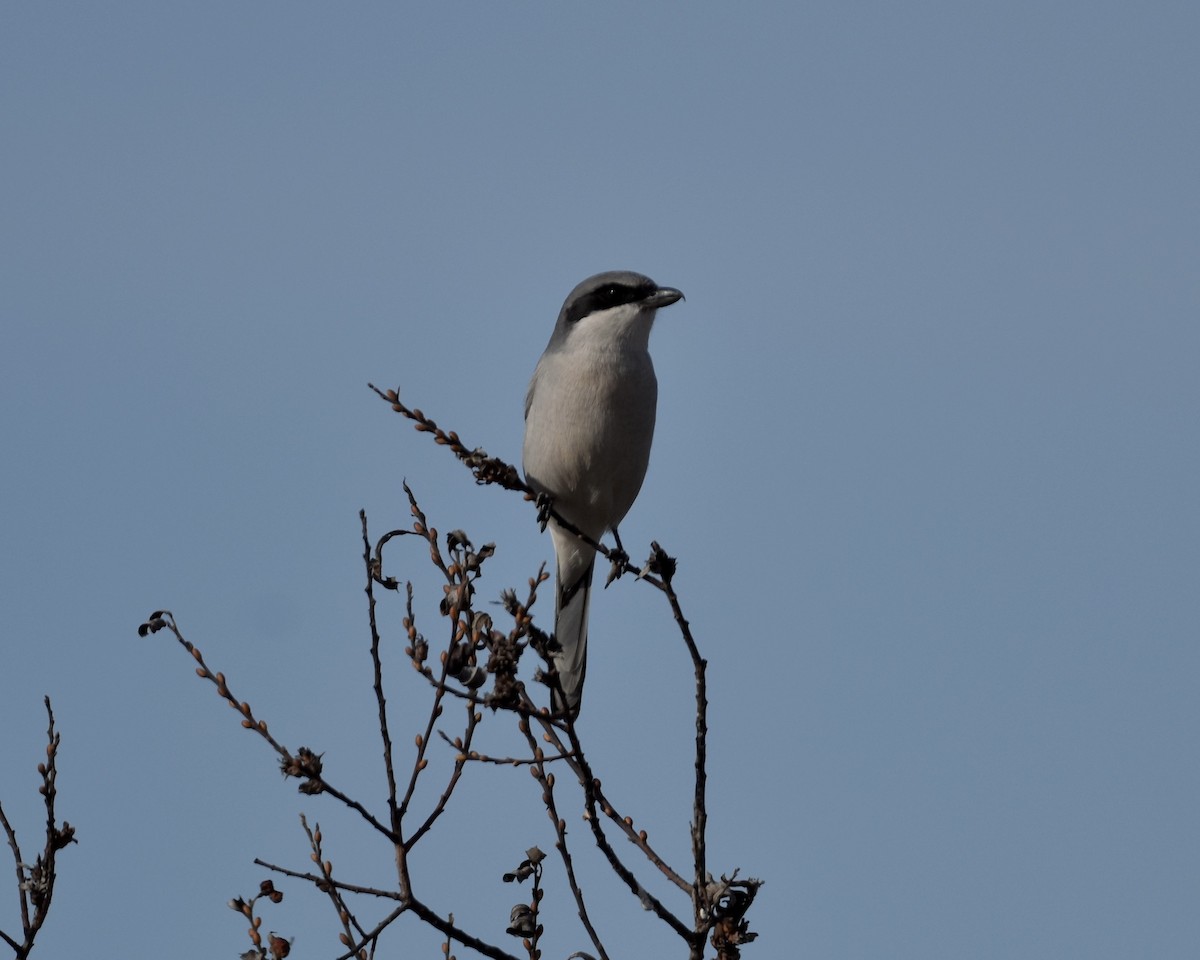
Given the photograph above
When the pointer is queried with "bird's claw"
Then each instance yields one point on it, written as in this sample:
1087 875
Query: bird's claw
544 503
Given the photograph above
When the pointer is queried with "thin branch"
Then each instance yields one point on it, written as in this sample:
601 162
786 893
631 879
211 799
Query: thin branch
375 573
409 903
22 891
318 880
639 838
372 936
380 699
422 739
502 761
718 907
351 928
701 907
560 830
587 780
460 762
35 884
494 470
456 933
304 764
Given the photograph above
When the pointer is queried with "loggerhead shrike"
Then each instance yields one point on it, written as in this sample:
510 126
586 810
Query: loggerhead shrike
589 420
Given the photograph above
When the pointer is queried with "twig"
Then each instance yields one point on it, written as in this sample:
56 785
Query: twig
351 928
645 897
318 880
717 907
456 933
494 470
701 907
279 947
304 764
460 762
560 829
639 838
380 699
35 884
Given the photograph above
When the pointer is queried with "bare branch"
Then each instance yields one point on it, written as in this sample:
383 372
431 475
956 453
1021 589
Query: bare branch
304 764
547 781
352 930
460 672
36 882
380 699
666 565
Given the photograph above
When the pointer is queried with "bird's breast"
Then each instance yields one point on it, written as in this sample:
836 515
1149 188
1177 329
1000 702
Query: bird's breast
588 432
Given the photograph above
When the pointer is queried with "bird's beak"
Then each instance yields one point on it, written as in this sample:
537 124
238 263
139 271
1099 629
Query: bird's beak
663 297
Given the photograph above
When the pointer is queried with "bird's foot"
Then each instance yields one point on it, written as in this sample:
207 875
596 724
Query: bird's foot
544 503
619 559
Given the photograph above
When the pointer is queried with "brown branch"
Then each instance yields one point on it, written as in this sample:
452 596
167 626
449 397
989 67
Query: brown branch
454 573
422 740
456 933
21 949
372 936
494 470
587 780
304 764
406 904
719 907
317 880
460 762
560 829
503 761
351 928
639 838
35 884
380 699
702 908
246 906
486 469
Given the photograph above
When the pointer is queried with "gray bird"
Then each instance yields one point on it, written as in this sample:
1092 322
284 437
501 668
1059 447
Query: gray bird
589 421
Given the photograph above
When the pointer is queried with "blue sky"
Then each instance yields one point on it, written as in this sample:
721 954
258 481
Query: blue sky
927 447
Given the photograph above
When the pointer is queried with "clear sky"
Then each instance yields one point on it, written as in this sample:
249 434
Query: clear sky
927 447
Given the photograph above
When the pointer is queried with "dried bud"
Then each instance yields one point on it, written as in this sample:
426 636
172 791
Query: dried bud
521 921
64 835
280 948
661 563
305 764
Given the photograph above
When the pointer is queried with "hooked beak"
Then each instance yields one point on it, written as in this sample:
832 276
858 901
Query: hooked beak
663 297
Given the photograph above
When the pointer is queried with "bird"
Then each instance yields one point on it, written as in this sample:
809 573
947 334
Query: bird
589 423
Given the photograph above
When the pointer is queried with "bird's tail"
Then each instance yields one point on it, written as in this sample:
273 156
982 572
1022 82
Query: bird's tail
576 563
